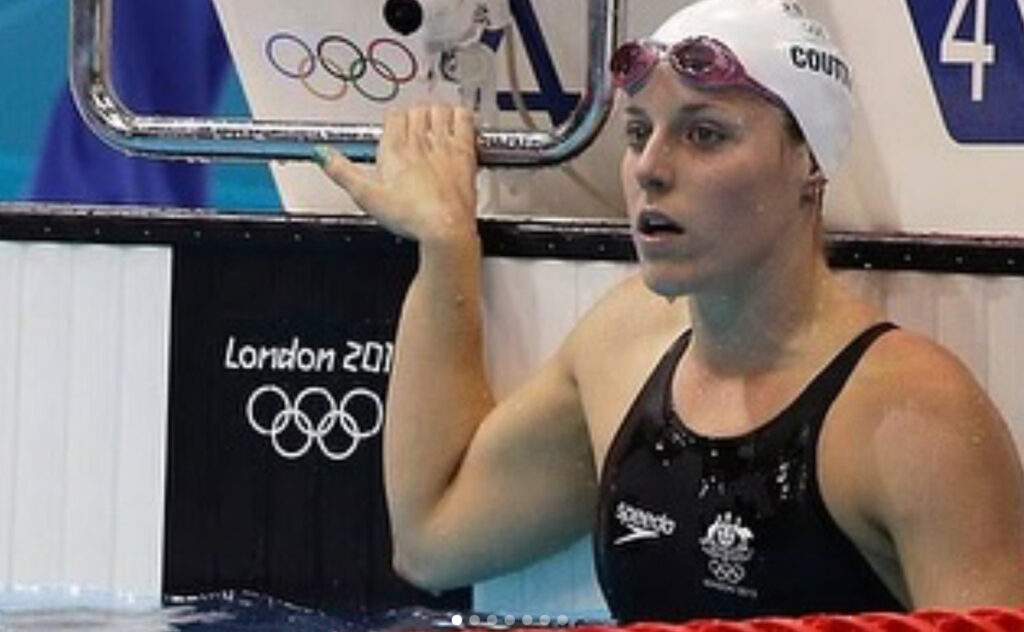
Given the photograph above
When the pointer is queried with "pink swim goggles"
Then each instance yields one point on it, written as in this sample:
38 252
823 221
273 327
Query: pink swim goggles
700 61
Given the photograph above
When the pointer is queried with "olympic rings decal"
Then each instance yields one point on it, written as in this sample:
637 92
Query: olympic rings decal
345 63
336 414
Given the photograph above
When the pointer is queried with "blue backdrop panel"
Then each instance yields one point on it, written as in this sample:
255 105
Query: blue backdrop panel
168 58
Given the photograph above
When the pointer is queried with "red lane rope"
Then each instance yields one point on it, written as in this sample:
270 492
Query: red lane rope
932 620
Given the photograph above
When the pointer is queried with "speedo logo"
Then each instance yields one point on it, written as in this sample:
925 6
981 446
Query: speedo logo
820 61
641 524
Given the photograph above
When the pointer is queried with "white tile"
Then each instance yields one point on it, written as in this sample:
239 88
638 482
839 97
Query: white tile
529 307
10 340
42 412
1004 300
142 428
95 384
961 323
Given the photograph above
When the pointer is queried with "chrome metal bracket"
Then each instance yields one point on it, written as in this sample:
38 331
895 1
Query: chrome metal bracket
198 138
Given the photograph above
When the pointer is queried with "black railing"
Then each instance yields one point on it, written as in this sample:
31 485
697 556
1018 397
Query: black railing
503 237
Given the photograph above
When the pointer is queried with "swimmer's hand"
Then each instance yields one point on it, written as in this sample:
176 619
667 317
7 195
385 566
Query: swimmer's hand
423 185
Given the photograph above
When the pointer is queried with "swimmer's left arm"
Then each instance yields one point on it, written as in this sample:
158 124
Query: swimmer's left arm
950 493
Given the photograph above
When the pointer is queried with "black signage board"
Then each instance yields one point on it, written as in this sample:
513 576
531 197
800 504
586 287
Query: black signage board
279 362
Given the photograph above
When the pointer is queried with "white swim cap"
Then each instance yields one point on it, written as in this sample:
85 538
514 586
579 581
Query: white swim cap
788 53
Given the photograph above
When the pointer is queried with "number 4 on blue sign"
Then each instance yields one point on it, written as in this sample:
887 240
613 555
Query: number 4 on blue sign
974 50
977 52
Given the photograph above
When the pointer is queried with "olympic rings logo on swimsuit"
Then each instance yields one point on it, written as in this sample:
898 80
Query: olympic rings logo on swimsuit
345 63
337 418
727 571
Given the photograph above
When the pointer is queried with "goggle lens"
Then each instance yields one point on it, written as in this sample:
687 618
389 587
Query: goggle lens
631 63
700 60
695 60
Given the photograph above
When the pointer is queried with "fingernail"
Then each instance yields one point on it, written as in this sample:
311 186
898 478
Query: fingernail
322 154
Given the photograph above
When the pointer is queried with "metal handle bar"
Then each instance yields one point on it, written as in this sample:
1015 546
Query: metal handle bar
245 139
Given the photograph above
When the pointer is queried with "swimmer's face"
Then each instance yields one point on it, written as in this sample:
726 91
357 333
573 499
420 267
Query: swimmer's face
715 183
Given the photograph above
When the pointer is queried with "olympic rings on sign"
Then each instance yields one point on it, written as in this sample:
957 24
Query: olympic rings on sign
326 96
331 413
301 73
358 66
344 61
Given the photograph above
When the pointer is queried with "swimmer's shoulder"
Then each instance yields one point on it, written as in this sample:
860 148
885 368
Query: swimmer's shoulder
908 370
912 440
913 404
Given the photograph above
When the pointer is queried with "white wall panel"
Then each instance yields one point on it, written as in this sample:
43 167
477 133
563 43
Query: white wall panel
41 413
961 319
84 338
529 307
10 280
145 352
94 383
1004 343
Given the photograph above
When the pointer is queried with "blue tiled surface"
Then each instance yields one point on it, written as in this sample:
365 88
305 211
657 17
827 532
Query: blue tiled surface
33 49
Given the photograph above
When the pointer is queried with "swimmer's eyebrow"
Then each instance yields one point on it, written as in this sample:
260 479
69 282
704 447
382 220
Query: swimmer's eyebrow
691 109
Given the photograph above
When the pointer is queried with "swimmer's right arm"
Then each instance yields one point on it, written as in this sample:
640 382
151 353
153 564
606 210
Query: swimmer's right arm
473 488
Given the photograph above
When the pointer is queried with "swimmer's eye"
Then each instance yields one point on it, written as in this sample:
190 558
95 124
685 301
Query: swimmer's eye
637 133
705 135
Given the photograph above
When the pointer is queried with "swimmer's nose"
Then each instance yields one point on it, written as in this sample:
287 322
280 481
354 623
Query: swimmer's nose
654 168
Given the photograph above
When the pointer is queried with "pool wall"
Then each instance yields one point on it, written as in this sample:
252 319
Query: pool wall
112 383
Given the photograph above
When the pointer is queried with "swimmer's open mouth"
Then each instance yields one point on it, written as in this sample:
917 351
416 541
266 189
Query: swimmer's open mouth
652 223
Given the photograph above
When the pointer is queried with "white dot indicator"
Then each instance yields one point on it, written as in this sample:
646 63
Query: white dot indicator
563 620
456 619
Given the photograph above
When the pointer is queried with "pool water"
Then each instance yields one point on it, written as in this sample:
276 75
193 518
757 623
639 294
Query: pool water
225 611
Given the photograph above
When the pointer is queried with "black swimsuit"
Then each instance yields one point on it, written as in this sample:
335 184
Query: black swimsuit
694 527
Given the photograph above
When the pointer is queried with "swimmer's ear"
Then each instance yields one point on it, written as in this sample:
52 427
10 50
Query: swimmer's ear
813 191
